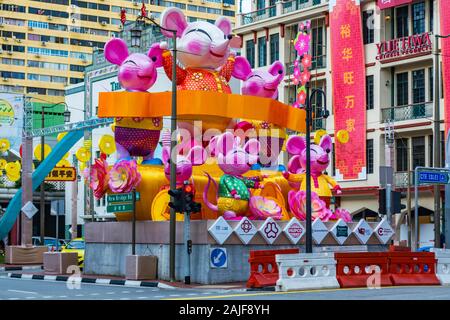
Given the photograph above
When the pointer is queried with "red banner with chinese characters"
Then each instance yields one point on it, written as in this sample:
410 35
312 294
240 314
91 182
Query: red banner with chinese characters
349 88
385 4
445 54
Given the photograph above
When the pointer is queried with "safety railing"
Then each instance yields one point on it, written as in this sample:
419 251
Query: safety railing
258 15
295 5
407 112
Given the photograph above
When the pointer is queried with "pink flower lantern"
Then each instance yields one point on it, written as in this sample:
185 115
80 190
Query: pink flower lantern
99 177
124 177
297 205
262 208
302 43
305 76
306 61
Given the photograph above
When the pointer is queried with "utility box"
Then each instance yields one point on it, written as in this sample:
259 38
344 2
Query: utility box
59 262
141 267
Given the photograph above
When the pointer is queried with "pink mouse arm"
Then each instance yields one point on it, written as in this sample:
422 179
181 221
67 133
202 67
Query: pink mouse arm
227 69
167 64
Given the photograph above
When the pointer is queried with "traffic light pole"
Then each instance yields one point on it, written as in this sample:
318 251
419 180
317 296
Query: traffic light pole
388 202
187 246
133 228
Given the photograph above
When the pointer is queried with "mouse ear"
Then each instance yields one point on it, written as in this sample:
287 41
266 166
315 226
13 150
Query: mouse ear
223 24
295 145
326 143
173 19
116 51
277 69
242 68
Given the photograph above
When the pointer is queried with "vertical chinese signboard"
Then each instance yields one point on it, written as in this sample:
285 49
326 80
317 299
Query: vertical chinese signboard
445 54
349 88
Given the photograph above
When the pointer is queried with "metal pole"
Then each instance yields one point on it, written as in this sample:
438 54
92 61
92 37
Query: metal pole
416 209
23 222
408 203
187 233
74 202
133 230
388 202
42 193
437 144
57 229
447 194
173 161
308 174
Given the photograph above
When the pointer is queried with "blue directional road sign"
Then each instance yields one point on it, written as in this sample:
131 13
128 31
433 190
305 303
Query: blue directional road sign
218 258
431 176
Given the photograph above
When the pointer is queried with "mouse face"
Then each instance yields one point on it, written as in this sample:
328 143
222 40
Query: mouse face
320 158
201 44
195 157
262 83
137 72
232 158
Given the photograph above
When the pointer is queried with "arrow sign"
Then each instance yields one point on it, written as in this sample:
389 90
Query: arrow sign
218 258
438 176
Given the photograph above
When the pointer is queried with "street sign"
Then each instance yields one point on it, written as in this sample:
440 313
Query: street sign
127 207
122 197
340 231
29 209
435 176
62 174
218 258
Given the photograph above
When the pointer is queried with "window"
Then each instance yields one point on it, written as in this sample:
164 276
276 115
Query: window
418 12
318 57
368 27
229 13
250 52
260 4
402 22
418 86
262 52
418 152
274 47
54 92
431 6
36 90
75 80
430 84
333 165
369 93
12 75
369 155
76 68
401 154
402 89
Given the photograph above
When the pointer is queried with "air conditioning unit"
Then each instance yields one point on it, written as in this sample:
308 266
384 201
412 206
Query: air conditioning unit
5 38
135 3
37 55
19 40
1 24
120 26
44 43
5 79
49 17
30 28
95 49
1 51
103 23
10 53
191 0
226 5
73 20
73 7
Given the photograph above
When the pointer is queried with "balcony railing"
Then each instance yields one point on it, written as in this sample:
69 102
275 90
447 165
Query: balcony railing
408 112
401 179
259 15
272 11
295 5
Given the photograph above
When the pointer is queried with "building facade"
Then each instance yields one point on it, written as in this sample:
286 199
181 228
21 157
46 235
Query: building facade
47 44
399 89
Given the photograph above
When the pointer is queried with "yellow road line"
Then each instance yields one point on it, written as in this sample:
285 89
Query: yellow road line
288 292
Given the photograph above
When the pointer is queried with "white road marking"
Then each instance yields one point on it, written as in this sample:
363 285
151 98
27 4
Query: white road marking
110 292
20 291
159 296
63 296
30 298
13 298
95 294
191 294
206 292
142 297
79 295
125 291
47 297
139 291
174 295
124 299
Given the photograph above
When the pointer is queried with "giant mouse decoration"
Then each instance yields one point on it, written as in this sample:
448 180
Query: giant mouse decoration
234 160
320 182
261 83
203 51
137 72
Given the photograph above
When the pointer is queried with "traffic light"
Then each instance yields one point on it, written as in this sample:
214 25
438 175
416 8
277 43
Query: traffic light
190 206
397 205
396 202
178 199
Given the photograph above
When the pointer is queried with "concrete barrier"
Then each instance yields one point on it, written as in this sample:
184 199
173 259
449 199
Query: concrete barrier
306 271
443 265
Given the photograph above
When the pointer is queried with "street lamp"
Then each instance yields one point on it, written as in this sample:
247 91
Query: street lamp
66 115
136 34
325 115
437 141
